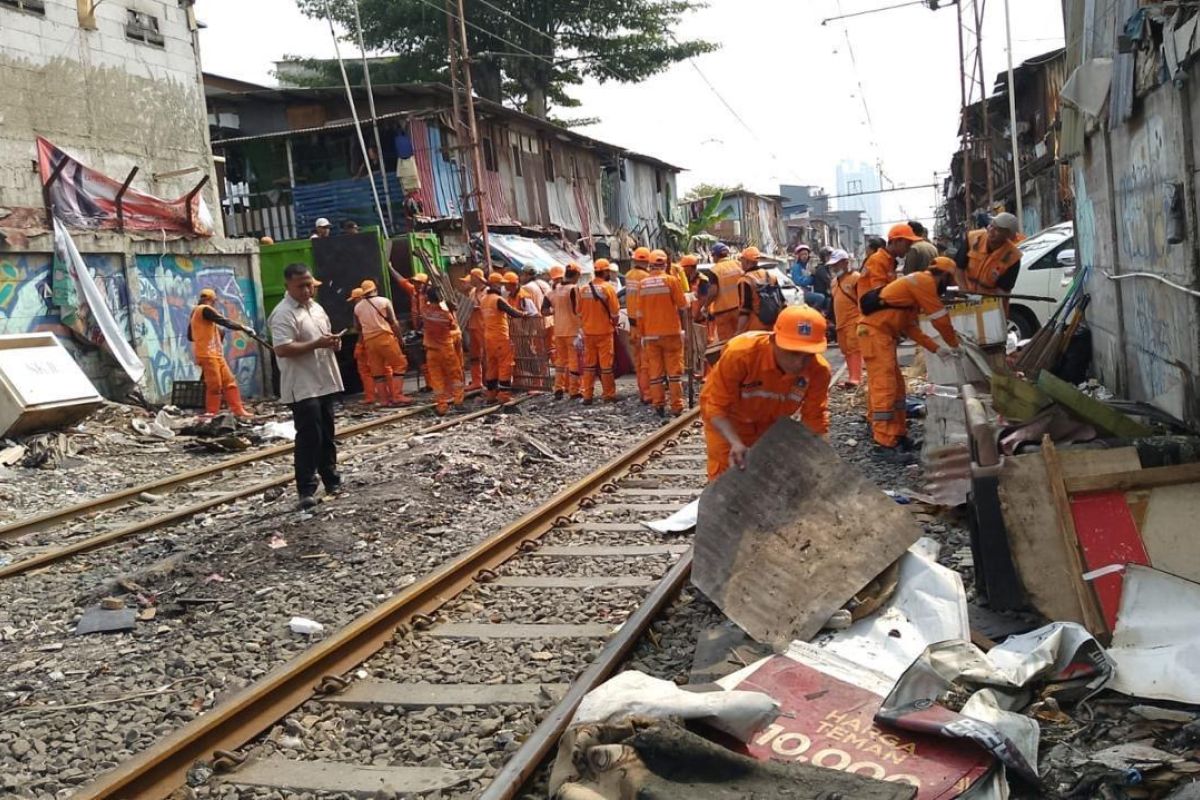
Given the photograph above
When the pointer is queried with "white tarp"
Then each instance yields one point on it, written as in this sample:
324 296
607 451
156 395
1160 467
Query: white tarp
114 337
1156 644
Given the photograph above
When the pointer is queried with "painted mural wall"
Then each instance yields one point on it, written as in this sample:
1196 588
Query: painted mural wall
168 287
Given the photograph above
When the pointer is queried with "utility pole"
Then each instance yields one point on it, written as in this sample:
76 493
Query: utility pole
387 194
966 138
461 135
1012 116
474 144
983 102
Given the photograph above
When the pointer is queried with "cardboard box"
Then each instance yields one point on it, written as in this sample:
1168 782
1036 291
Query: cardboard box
41 386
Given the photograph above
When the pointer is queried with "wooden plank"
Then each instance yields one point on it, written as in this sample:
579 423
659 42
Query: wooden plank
1030 522
1136 479
1107 535
519 630
607 551
360 780
1092 619
1168 530
780 562
575 581
1092 411
373 692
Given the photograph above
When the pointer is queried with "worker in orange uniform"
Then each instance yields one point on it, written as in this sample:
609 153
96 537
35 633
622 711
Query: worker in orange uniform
903 301
754 278
497 343
476 286
560 304
880 267
361 361
662 302
633 283
597 307
846 315
380 329
210 356
681 272
989 260
720 299
443 349
519 296
762 377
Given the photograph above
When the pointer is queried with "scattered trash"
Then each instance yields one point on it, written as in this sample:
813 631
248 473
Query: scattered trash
276 542
1156 644
11 455
682 520
305 626
278 430
102 620
159 427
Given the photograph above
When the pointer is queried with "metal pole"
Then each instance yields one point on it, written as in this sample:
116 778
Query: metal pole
460 127
962 87
987 117
387 193
1012 116
476 160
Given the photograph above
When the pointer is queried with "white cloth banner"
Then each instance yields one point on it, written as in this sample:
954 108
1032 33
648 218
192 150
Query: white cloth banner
64 249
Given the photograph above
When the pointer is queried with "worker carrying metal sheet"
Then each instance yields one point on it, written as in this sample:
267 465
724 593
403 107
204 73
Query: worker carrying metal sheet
762 377
892 315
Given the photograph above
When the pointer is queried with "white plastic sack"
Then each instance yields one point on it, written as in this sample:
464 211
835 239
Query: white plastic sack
682 520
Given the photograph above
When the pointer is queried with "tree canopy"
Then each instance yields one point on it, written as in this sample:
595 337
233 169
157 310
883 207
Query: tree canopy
710 189
525 53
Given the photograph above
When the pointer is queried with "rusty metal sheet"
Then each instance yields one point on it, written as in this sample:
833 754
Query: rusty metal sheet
786 542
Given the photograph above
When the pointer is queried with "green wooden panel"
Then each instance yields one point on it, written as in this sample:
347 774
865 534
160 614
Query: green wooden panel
272 260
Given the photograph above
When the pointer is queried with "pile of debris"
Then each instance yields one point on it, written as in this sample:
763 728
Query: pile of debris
849 665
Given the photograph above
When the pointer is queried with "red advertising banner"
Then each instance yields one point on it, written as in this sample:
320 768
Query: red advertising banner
829 722
83 198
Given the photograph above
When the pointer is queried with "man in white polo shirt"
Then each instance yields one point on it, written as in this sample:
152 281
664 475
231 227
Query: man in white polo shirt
308 380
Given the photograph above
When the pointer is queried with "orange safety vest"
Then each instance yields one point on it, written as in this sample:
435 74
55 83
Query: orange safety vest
566 321
495 321
879 270
984 269
906 299
633 292
845 300
372 316
728 273
206 339
597 305
439 324
475 297
661 297
754 279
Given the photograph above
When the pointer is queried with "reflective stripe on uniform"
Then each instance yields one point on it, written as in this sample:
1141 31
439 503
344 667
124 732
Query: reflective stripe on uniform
939 314
883 416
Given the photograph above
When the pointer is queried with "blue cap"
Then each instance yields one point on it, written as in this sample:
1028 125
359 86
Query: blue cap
720 249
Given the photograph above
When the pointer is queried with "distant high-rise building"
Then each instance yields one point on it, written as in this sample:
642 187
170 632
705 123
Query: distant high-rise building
854 178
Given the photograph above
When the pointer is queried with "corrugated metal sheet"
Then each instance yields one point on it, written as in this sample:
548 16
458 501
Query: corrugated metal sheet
1121 95
350 198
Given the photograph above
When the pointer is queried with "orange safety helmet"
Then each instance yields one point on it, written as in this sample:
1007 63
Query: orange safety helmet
557 272
476 273
943 264
751 254
689 261
496 278
658 258
356 294
641 254
601 265
420 277
512 277
367 286
902 231
801 329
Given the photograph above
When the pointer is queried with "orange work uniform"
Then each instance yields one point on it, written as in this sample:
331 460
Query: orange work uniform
661 299
986 269
561 302
747 388
443 354
878 271
362 362
374 316
475 336
847 316
724 304
633 285
497 346
879 334
748 299
597 307
210 357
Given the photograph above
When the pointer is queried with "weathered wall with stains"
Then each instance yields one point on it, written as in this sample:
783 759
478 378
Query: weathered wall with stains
110 100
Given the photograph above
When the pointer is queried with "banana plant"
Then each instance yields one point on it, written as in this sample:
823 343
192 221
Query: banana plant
685 238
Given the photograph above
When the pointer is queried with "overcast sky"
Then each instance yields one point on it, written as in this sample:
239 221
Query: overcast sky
790 80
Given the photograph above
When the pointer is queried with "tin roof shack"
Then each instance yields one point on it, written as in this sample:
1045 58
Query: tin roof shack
1046 196
118 89
292 155
752 219
1136 209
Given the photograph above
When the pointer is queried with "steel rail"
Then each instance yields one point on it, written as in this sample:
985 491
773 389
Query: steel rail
161 769
21 527
171 517
513 776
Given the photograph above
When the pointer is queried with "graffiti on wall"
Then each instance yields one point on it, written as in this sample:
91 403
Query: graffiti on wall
1141 212
169 286
26 294
1153 324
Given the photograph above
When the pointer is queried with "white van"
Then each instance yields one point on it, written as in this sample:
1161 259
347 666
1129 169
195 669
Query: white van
1047 269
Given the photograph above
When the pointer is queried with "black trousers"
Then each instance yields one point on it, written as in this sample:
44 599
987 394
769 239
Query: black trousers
316 449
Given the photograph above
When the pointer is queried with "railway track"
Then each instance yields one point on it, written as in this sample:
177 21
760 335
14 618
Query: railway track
584 543
190 493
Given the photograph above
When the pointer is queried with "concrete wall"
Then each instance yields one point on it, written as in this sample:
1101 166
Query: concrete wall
113 102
